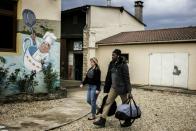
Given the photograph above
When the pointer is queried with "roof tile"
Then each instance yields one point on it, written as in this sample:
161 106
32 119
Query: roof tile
158 35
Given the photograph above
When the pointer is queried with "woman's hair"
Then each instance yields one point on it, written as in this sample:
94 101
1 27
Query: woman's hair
94 59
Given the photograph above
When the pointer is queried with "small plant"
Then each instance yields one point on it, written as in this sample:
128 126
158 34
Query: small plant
14 75
12 79
3 73
50 78
27 83
2 60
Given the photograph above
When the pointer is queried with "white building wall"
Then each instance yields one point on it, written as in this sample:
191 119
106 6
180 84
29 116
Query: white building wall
139 59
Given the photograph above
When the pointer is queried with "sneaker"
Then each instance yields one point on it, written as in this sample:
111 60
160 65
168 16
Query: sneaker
91 118
101 122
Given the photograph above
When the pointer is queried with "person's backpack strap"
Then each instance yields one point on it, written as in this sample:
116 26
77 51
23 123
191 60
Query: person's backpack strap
131 99
136 106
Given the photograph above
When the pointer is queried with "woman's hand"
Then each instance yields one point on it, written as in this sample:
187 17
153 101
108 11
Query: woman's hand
97 92
81 85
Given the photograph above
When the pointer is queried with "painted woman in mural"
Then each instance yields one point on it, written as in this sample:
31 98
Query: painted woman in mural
36 55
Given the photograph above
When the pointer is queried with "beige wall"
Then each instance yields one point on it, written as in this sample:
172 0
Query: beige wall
44 9
139 59
105 22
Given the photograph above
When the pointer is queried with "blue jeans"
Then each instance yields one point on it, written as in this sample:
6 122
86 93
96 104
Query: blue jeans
91 98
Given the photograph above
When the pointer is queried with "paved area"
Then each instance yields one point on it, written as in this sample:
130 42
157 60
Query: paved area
161 111
166 89
69 109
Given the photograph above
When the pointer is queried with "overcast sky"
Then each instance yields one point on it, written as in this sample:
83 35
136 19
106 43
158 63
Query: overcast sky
157 13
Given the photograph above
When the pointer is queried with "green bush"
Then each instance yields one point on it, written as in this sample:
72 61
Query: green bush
27 83
50 78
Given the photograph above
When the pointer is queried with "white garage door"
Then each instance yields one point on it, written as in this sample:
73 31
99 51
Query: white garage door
169 69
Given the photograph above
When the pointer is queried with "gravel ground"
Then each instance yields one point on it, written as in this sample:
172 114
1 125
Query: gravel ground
16 110
161 111
13 111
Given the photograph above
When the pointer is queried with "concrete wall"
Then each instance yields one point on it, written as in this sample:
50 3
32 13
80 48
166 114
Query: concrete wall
103 22
44 9
139 59
48 15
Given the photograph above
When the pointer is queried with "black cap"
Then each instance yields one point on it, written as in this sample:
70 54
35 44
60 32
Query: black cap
117 51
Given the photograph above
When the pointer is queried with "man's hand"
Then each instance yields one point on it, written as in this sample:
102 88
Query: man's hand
129 95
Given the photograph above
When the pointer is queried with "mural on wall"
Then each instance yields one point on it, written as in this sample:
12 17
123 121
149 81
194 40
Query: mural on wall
36 55
38 65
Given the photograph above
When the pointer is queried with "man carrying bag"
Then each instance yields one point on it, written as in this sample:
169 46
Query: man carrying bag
117 83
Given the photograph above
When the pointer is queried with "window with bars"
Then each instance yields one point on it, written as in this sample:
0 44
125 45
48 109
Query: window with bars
126 56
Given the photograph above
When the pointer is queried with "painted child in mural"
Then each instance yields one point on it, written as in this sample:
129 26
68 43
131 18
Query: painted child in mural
37 55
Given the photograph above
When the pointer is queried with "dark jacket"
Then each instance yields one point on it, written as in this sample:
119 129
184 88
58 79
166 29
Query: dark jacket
123 84
95 80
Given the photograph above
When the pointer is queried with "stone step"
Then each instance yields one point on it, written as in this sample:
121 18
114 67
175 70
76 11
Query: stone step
70 83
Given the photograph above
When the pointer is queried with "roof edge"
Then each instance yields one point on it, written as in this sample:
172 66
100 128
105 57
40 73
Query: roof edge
152 42
160 29
119 7
141 22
